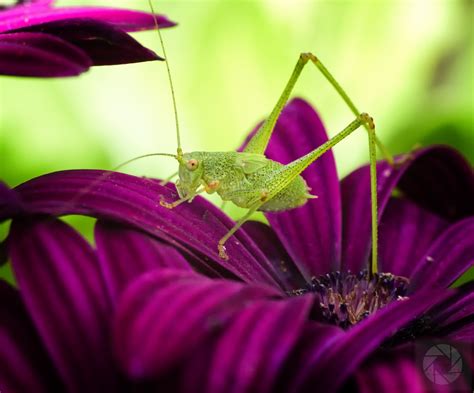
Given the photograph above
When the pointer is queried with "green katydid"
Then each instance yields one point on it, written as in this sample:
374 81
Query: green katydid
252 181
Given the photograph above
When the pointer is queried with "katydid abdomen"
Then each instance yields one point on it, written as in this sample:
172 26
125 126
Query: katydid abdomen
243 179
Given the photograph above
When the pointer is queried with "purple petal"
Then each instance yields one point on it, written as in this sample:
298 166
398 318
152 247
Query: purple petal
437 178
3 253
408 229
267 240
36 54
391 372
448 258
458 306
442 181
252 350
165 314
125 253
24 365
193 228
60 283
329 368
464 333
315 338
21 17
310 233
454 318
10 203
104 43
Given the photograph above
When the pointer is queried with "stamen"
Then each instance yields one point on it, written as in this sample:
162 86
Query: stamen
346 298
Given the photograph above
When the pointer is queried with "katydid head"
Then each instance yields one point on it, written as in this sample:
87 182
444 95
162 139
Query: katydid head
190 175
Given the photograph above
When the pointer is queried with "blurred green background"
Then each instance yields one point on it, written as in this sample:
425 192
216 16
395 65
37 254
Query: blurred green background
409 63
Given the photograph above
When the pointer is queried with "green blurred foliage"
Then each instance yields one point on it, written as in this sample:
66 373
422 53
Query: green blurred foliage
408 63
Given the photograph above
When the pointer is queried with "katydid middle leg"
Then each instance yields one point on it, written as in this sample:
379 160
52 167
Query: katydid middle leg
238 224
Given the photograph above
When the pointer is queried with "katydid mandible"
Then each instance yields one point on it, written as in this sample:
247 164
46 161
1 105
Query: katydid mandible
252 181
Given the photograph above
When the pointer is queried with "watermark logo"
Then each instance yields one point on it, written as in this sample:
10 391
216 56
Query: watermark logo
442 364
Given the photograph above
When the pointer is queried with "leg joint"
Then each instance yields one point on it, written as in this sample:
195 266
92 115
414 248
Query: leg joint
306 56
367 120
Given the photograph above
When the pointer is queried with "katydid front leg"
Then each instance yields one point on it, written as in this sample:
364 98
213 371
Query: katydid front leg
187 198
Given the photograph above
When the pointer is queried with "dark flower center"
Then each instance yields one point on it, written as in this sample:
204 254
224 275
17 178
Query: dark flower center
346 298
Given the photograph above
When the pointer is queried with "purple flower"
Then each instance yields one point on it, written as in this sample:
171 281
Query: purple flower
37 39
152 306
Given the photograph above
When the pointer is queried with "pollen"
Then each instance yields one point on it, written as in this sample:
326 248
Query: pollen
345 298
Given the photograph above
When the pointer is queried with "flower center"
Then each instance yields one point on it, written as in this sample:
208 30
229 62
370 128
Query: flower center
346 298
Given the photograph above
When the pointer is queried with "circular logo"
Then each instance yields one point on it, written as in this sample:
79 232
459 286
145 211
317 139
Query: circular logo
442 364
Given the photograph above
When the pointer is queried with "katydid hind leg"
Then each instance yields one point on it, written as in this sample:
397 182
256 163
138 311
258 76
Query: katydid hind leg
282 178
259 141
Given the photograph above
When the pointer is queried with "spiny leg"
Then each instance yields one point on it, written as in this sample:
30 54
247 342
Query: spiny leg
260 140
373 197
178 202
238 224
283 177
330 78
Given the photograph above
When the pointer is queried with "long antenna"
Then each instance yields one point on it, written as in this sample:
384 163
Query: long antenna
140 157
179 150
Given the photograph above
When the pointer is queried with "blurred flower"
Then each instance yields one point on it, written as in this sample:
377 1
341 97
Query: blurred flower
284 314
37 39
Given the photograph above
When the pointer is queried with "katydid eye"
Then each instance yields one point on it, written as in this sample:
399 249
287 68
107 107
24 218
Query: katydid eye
192 164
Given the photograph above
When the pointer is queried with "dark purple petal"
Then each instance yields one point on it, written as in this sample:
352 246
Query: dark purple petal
60 283
408 229
437 178
10 203
389 373
253 349
464 333
458 308
104 43
328 369
315 338
310 233
193 228
125 253
149 340
36 54
24 364
21 17
454 318
269 243
3 253
447 258
402 370
442 181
